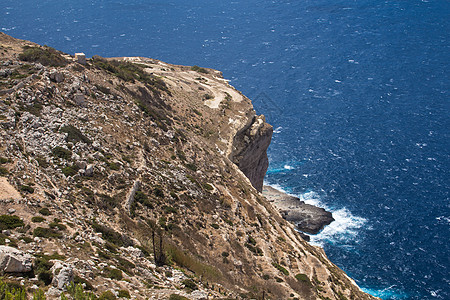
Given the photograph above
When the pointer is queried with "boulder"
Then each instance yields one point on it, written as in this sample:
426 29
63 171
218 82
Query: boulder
89 170
62 275
56 76
13 260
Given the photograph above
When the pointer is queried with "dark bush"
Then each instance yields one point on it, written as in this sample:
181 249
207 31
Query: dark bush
302 278
58 226
115 274
87 285
70 170
46 232
199 69
46 277
37 219
158 192
45 211
46 56
3 171
74 135
108 295
62 153
191 167
10 222
177 297
27 189
281 269
189 284
124 294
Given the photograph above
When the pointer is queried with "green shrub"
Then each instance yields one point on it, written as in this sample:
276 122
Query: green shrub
108 295
114 166
142 198
26 239
45 211
77 280
46 277
129 72
3 171
177 297
281 268
10 222
192 167
256 250
62 153
70 170
46 56
27 189
76 291
158 192
199 69
46 233
74 135
207 187
115 274
12 291
124 294
215 226
189 284
3 160
37 219
302 278
56 225
169 209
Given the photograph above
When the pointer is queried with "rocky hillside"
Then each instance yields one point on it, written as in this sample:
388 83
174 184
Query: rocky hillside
136 178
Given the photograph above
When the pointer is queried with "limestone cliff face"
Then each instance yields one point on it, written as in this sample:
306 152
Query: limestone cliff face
250 150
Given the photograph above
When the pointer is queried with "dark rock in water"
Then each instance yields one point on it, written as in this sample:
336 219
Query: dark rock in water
307 218
305 236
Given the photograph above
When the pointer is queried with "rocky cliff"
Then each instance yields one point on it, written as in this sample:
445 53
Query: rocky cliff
250 150
136 178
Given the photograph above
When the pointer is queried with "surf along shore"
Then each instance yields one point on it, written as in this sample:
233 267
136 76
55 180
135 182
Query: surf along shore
307 218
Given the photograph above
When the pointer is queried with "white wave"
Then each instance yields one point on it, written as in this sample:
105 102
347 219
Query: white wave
288 167
278 130
443 219
342 230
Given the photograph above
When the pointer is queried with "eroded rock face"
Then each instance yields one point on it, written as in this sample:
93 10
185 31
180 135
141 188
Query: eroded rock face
250 150
14 261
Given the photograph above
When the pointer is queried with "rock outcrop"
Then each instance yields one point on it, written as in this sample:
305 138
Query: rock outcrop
307 218
250 150
13 260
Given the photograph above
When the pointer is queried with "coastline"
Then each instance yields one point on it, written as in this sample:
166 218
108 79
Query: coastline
307 218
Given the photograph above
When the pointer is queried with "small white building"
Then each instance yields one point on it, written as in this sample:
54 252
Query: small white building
80 58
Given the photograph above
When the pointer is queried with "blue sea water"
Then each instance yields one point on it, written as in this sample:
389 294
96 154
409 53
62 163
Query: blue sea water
357 91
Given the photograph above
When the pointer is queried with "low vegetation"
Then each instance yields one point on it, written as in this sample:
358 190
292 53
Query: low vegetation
10 222
199 69
46 56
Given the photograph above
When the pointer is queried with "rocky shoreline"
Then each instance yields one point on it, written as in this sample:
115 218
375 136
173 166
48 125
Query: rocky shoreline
307 218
